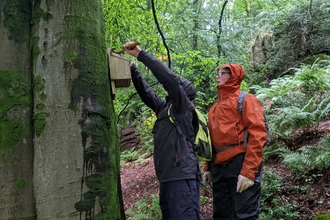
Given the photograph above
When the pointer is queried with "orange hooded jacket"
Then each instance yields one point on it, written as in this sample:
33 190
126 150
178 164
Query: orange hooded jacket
227 125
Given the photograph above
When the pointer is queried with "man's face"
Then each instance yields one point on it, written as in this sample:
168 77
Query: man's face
222 76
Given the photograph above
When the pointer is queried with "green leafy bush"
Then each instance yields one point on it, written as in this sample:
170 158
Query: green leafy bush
272 207
310 158
146 209
129 155
275 151
297 104
322 217
270 185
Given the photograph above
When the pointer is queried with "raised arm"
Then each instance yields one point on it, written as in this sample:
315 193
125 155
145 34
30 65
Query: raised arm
170 81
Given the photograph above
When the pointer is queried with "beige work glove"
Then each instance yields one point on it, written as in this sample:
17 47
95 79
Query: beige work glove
243 183
207 177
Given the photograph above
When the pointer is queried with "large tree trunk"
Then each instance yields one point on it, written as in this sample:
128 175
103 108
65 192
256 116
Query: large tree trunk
76 172
16 134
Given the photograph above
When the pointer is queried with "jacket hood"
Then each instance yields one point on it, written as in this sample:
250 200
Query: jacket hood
189 88
234 82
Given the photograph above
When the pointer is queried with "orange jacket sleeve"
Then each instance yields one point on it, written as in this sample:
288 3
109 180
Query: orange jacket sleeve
253 118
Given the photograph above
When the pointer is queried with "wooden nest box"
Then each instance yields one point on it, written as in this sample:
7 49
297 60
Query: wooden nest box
120 71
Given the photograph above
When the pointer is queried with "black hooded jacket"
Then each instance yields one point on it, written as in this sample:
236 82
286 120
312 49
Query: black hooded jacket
174 158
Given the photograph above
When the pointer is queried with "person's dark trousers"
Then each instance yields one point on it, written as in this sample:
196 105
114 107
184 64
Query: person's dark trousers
179 200
229 204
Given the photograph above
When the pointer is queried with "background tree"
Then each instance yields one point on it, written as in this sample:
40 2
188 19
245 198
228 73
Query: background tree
58 135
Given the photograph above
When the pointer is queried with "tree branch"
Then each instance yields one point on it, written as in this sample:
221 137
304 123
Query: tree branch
220 28
161 33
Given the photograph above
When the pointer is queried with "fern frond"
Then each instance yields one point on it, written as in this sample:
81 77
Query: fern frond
325 142
322 161
275 150
323 108
309 158
298 163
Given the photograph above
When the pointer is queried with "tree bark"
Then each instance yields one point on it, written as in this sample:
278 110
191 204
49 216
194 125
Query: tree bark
75 150
16 134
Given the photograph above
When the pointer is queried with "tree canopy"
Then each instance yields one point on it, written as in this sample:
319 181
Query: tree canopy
267 37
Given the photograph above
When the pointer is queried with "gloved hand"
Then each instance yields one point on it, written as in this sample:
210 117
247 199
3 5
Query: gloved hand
243 183
207 177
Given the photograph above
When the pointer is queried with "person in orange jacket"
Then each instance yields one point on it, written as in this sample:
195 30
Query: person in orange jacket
235 170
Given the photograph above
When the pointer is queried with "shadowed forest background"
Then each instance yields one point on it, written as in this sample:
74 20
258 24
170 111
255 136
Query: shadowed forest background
284 47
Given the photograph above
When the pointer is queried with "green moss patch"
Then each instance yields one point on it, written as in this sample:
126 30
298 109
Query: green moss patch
40 122
21 184
40 117
70 56
15 98
38 84
87 203
17 15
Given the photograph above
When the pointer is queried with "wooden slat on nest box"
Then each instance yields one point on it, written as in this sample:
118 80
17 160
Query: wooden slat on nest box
120 71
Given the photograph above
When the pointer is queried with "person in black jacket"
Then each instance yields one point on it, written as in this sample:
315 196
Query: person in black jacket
175 161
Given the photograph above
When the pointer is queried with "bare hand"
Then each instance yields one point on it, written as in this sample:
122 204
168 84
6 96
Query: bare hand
132 48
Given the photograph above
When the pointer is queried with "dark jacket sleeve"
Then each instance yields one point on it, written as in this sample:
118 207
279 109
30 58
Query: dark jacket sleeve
169 80
148 96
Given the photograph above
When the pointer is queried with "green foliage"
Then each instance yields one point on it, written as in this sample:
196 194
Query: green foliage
204 199
280 211
272 207
322 217
310 158
201 70
300 101
297 189
129 155
128 111
275 151
129 21
191 47
147 208
270 185
128 105
310 79
144 127
303 30
295 104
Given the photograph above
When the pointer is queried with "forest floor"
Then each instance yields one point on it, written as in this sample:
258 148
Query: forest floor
139 180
